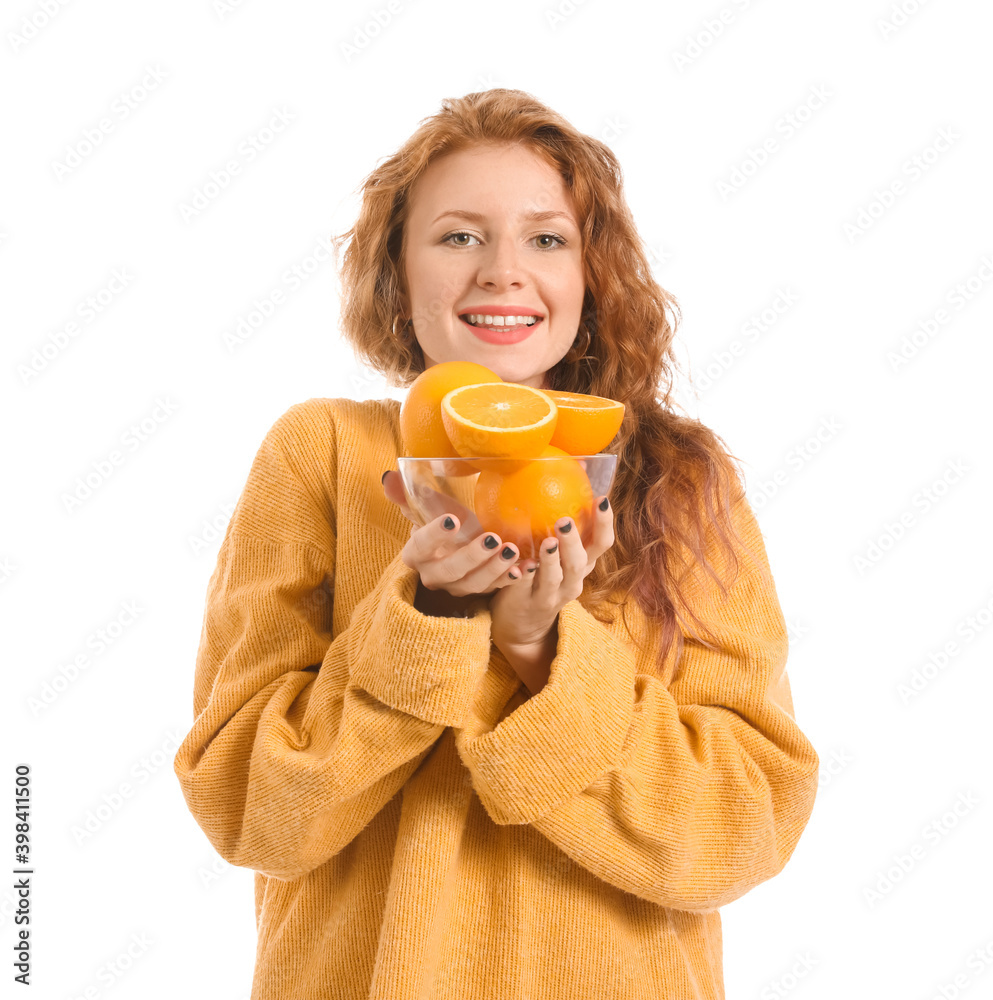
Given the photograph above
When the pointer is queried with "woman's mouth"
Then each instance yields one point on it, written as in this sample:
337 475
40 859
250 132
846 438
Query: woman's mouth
513 329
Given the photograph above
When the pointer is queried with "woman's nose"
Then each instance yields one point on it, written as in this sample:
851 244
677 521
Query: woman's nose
502 264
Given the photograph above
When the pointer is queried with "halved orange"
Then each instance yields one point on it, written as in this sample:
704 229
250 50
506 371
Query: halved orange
586 424
498 420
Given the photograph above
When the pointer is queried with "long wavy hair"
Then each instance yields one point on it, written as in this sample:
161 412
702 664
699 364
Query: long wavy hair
676 481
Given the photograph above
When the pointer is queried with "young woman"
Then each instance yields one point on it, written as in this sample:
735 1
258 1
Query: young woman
455 772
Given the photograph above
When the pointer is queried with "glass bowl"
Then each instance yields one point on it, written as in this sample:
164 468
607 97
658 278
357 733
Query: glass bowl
525 513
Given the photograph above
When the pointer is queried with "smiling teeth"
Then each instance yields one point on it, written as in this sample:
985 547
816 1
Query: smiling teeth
482 319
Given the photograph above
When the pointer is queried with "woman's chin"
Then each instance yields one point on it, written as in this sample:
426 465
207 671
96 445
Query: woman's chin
521 374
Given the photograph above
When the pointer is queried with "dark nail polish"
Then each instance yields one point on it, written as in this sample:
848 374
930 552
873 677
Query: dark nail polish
603 504
553 549
448 524
566 528
490 542
382 478
508 553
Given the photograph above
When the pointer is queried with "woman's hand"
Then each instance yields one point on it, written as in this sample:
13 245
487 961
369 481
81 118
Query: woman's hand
525 612
462 569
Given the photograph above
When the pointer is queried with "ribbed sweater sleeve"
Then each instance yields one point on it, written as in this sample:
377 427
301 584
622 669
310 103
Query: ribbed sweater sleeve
686 794
300 738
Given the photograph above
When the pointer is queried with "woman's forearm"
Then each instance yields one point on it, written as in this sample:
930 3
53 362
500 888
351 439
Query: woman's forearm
532 663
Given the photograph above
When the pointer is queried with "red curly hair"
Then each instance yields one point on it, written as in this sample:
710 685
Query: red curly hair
676 482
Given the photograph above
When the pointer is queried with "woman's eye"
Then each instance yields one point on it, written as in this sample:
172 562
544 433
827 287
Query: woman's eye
456 239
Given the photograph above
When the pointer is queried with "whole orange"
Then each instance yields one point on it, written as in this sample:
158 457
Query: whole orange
522 506
421 428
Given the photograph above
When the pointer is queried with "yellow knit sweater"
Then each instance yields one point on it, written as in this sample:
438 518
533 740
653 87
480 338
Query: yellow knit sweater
421 827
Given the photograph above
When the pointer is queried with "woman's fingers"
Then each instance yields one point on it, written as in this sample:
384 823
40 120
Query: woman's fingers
549 576
481 565
567 559
564 562
603 529
486 563
430 504
475 567
427 542
393 487
434 504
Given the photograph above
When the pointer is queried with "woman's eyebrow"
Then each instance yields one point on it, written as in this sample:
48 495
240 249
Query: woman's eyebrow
462 213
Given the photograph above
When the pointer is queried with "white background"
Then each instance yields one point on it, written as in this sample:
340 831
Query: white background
839 443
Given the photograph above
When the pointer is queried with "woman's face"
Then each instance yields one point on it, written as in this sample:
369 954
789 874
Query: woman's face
473 247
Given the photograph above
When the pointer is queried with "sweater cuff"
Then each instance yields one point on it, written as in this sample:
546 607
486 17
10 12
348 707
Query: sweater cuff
425 666
562 739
